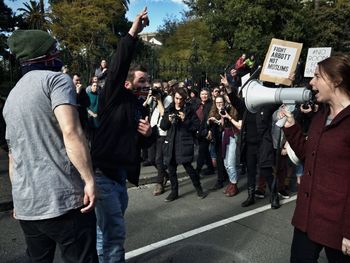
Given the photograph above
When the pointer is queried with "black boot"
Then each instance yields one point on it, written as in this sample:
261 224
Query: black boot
200 192
172 196
275 201
251 198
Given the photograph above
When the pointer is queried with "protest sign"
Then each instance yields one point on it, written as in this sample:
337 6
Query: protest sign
244 79
281 61
315 55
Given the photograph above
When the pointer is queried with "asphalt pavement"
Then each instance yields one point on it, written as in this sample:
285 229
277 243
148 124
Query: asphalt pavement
213 230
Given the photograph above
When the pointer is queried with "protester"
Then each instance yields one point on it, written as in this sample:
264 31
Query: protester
240 65
224 128
47 153
82 101
256 147
101 73
92 109
156 119
123 129
322 214
202 110
92 81
181 123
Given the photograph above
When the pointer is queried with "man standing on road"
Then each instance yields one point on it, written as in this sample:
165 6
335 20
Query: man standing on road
47 152
116 147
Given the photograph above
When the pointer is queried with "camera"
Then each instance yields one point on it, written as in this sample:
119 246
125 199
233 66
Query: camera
308 104
155 92
174 118
225 109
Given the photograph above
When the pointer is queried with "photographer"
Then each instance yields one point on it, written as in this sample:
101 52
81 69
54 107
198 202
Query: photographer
224 129
156 118
181 123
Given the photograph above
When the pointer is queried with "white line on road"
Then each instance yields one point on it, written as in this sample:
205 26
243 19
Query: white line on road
168 241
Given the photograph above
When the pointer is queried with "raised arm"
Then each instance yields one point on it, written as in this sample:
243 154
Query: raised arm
120 63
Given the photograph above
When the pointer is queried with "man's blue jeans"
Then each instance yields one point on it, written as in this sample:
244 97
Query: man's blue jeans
112 201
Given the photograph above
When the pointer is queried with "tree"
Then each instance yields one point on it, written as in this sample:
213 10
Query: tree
190 37
88 30
249 25
35 15
331 25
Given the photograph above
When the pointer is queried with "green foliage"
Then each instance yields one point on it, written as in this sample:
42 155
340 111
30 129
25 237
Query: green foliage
248 25
88 29
34 15
331 26
191 39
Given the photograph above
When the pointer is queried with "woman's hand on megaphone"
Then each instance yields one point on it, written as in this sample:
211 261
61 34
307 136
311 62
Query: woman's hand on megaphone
283 112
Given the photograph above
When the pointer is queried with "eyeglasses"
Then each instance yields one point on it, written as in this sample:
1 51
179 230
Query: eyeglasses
216 91
219 102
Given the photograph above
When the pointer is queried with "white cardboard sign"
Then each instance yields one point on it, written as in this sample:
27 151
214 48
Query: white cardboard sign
315 55
280 61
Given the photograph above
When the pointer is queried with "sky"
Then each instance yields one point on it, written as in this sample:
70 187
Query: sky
158 10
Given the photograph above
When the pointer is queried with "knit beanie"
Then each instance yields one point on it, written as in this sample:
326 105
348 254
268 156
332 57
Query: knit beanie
30 44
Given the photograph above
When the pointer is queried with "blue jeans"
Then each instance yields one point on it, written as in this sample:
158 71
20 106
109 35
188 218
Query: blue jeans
230 160
112 201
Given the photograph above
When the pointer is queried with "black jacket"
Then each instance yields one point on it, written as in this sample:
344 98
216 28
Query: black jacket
180 136
263 126
116 142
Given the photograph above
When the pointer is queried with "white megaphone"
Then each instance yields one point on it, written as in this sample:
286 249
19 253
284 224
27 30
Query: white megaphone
256 95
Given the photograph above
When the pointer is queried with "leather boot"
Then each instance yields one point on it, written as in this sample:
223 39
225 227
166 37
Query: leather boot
200 192
251 198
275 201
232 191
172 196
228 188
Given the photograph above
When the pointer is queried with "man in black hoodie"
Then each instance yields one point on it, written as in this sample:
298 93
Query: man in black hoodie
123 129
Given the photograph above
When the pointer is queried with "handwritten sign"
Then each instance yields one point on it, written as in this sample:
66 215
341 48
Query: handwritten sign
315 55
281 61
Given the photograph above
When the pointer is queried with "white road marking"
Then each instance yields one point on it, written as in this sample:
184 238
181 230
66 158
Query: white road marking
168 241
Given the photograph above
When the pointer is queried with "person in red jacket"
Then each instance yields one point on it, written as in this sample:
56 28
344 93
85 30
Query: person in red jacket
322 214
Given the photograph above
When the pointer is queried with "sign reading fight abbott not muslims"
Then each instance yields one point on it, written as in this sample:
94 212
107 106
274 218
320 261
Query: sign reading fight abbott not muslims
315 55
281 61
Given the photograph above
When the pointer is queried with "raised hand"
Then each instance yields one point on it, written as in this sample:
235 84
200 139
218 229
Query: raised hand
140 22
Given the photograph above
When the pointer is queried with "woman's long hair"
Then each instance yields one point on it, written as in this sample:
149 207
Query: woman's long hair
214 112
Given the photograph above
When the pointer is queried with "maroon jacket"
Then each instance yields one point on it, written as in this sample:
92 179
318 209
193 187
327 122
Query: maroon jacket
323 203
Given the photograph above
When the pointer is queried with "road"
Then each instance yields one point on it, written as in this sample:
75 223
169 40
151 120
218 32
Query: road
213 230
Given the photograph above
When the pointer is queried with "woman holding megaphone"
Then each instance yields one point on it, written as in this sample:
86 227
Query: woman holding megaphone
322 214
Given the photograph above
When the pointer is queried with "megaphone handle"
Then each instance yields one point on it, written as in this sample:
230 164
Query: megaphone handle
280 123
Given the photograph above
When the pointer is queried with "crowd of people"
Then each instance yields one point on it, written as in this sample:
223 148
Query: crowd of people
81 145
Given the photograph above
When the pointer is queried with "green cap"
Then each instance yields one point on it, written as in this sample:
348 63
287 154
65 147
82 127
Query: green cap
30 44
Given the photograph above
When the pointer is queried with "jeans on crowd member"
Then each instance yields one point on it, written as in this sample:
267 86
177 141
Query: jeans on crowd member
112 201
305 250
230 160
73 232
